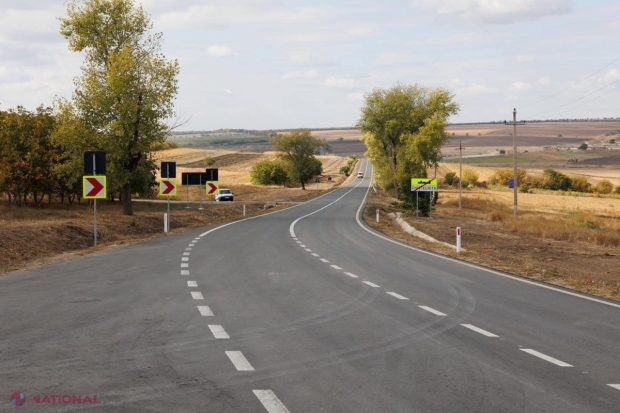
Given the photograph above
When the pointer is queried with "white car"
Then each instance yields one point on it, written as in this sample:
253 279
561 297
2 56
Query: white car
224 195
360 174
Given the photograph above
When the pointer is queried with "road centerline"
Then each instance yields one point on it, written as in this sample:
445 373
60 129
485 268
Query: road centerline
218 331
239 361
270 401
545 357
431 310
479 330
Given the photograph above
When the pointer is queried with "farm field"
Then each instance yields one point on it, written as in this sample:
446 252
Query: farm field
568 241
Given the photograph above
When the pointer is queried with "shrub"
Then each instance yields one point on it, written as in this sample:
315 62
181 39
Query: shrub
469 177
583 146
580 184
502 152
604 187
555 180
209 161
503 176
341 139
451 178
345 170
617 190
268 173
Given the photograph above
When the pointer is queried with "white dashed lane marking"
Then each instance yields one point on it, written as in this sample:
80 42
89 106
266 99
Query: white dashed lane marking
205 311
192 284
371 284
270 401
315 254
299 242
218 331
186 254
324 260
197 295
335 267
185 265
400 297
239 361
185 259
184 272
351 275
615 386
479 330
545 357
431 310
308 249
188 249
302 246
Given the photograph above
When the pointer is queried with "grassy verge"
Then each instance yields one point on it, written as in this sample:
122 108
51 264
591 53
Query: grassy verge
574 249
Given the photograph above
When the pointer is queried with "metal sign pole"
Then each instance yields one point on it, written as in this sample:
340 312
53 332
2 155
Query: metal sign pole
212 206
417 208
95 203
430 204
168 176
201 189
187 207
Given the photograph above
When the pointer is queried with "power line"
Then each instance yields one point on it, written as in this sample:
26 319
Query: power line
575 84
591 100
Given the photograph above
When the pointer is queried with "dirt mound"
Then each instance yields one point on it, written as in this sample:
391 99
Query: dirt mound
225 160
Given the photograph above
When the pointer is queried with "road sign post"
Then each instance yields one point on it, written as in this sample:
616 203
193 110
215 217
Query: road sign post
93 185
423 185
168 184
211 189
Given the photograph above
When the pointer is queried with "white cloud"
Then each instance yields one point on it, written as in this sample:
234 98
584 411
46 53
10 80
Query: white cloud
387 59
220 51
310 74
544 81
520 86
341 82
228 92
611 76
497 11
475 89
357 97
309 59
525 58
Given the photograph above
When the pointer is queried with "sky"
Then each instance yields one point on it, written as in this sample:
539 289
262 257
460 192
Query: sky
275 64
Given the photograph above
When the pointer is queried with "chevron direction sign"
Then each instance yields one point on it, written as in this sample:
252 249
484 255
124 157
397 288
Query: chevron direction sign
94 187
168 187
212 188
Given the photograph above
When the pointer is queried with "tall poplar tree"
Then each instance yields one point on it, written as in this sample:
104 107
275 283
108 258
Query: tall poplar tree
125 93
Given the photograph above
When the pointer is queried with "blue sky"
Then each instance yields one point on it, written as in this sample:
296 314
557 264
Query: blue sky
282 64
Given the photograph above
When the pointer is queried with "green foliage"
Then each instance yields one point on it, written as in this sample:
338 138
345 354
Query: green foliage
502 152
580 184
269 173
346 169
504 175
163 146
451 178
555 180
404 129
470 177
583 146
125 93
617 190
604 187
296 149
612 141
209 161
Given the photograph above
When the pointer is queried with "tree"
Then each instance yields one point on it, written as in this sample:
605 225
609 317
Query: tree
451 178
125 93
555 180
404 128
296 149
269 173
209 161
604 187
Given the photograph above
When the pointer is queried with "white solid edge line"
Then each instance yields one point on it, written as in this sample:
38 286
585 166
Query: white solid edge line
335 267
431 310
479 330
324 260
239 361
192 284
371 284
477 267
197 295
351 275
315 254
218 331
400 297
545 357
292 227
205 311
270 401
184 272
615 386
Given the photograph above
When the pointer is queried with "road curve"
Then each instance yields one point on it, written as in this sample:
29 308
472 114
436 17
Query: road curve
304 309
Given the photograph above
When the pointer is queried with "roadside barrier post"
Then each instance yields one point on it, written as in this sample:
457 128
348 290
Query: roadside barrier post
244 210
458 240
377 215
165 223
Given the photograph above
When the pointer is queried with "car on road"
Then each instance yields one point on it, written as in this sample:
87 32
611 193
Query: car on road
360 174
224 195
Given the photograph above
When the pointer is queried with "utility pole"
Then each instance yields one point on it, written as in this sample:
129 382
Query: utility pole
514 160
460 149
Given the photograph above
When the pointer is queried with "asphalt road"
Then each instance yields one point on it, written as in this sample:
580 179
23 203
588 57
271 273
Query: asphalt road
301 310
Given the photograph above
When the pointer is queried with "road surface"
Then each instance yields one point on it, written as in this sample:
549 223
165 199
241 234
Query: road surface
301 310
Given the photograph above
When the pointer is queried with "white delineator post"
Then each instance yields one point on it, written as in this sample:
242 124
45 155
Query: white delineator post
377 215
244 210
165 222
458 239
